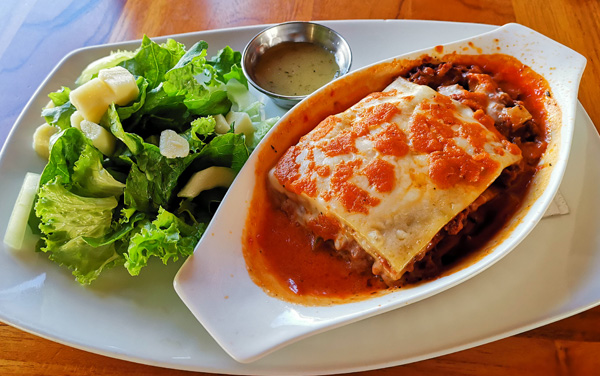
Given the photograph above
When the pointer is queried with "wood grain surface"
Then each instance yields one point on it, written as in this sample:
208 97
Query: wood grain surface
35 35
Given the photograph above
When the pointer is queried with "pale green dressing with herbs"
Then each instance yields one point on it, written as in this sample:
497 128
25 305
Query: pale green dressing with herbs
296 68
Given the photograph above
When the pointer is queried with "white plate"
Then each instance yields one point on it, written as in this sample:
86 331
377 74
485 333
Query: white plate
248 323
553 274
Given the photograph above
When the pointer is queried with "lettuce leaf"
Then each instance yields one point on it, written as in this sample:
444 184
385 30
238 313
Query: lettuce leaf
227 150
122 228
159 111
91 179
67 218
152 178
134 143
60 97
239 95
198 82
59 115
167 237
243 101
77 164
227 64
76 199
95 211
201 129
152 60
67 149
262 128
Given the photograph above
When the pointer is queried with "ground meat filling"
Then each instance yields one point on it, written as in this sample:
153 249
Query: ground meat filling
475 225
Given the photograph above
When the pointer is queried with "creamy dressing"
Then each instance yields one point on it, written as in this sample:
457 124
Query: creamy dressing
295 68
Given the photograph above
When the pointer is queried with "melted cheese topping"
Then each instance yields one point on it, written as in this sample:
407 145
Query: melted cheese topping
391 171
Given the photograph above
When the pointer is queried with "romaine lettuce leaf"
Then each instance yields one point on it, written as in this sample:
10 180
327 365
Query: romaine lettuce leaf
197 81
152 60
137 190
91 179
153 177
243 101
60 97
75 200
239 95
134 143
77 164
66 150
227 64
227 150
59 115
197 50
121 229
262 128
160 111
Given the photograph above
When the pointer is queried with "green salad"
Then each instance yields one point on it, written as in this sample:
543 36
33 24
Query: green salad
144 178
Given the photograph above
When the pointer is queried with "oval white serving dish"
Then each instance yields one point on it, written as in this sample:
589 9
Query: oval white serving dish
249 324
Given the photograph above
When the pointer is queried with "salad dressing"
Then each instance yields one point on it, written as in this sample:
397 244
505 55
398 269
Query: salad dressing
296 68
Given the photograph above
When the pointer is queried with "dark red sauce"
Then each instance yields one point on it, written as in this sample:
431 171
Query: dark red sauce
305 265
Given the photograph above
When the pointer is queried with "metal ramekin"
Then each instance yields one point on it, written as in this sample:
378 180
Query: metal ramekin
294 32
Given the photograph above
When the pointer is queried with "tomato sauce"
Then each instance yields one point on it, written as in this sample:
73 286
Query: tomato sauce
391 141
354 198
381 175
304 265
343 143
432 132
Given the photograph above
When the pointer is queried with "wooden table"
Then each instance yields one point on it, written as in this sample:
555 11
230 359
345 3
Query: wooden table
35 35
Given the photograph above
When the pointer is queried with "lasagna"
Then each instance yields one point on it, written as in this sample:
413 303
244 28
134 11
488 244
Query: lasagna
385 181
